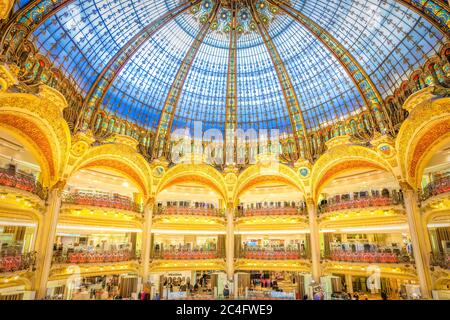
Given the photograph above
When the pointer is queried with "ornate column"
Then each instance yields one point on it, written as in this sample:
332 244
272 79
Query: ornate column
416 230
46 238
146 239
315 239
230 240
349 283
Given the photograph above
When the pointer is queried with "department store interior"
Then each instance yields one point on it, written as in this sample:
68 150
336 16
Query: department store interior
320 171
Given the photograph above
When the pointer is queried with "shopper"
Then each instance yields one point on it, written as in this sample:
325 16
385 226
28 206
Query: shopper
226 292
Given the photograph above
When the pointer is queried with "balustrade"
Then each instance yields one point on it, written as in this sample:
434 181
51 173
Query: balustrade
369 257
114 201
186 254
13 179
189 211
17 262
269 254
281 211
437 187
94 257
440 260
365 202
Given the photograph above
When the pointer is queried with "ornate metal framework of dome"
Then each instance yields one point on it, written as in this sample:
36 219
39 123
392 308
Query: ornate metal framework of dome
313 69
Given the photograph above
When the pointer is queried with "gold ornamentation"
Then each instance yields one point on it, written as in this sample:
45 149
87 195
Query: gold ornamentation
118 157
343 158
421 125
5 8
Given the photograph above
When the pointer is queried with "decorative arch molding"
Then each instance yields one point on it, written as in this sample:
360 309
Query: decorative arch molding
36 120
258 174
344 158
16 280
118 157
436 216
425 131
199 173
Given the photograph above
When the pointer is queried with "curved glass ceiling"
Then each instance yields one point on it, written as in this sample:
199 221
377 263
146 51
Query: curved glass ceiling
386 38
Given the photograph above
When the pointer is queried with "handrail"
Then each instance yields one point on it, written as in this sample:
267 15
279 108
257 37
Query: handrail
275 254
189 211
114 201
438 186
186 254
366 202
94 257
368 257
10 178
283 211
440 260
17 262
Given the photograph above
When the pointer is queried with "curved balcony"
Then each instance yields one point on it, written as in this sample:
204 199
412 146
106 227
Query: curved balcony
94 257
11 179
437 187
265 254
188 211
368 257
17 262
186 254
285 211
441 260
368 202
114 201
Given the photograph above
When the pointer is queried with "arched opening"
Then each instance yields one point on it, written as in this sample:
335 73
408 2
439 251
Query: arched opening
21 200
435 198
100 219
362 222
188 232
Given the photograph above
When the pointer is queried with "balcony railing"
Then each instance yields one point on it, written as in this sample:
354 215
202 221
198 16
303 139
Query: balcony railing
18 262
94 257
441 260
367 202
20 181
368 257
188 211
286 211
262 254
186 254
439 186
114 201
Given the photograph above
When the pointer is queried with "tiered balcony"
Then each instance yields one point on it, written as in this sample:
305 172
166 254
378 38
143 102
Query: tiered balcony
92 199
368 257
187 255
284 211
367 202
437 187
262 254
94 257
17 262
189 211
11 179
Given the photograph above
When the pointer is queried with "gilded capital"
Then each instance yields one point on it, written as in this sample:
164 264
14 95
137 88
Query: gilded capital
405 186
59 187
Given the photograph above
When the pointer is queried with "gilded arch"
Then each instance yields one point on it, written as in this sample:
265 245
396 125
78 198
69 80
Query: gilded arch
36 120
257 174
425 130
343 158
120 158
201 173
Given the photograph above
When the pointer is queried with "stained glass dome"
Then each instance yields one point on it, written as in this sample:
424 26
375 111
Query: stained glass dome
275 64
